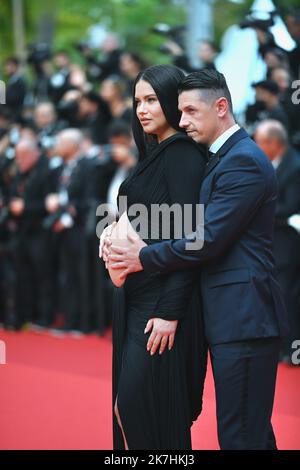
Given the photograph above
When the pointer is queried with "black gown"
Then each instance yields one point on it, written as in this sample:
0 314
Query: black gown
160 396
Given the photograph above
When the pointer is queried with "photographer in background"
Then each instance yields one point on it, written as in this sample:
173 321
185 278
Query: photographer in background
101 169
16 87
131 64
46 123
261 23
112 91
59 81
86 111
39 55
98 70
67 215
207 52
174 46
26 208
282 77
93 114
293 25
7 272
267 105
272 137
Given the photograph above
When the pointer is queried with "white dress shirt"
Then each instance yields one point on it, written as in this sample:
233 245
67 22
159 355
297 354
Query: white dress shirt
113 188
217 144
276 162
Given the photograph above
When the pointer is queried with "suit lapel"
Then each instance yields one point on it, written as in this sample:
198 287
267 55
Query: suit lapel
214 160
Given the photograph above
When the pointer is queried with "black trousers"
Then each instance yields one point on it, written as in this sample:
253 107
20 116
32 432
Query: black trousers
245 376
72 248
33 279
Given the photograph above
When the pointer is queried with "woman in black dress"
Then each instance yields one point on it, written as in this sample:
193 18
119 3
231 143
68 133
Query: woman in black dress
157 396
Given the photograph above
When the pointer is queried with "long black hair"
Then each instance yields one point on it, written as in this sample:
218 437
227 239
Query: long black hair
165 80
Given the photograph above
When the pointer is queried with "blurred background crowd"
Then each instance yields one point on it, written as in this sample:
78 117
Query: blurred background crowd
66 146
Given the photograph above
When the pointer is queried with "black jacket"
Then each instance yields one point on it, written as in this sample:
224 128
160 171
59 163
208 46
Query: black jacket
286 239
33 187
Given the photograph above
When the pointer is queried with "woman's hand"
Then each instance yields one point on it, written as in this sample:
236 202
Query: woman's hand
163 333
103 246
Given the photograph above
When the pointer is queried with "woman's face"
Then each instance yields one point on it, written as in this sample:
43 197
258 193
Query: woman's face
128 66
149 111
109 90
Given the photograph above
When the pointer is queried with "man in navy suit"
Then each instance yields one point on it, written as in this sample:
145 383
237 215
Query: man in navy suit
244 314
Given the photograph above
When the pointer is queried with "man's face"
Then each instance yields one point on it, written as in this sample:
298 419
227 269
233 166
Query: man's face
26 157
61 61
44 115
87 107
262 95
10 68
62 147
282 78
199 119
206 52
268 145
293 27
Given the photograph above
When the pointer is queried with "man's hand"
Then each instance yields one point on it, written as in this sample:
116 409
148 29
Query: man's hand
163 333
58 227
126 258
17 206
52 203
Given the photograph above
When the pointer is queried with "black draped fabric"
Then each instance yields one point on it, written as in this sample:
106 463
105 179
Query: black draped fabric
119 331
160 396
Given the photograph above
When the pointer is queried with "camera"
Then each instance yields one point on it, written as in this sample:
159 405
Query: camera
61 214
4 215
68 109
4 212
175 33
38 52
81 46
259 20
105 150
47 141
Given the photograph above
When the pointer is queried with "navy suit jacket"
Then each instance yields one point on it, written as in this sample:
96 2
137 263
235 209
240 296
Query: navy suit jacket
241 296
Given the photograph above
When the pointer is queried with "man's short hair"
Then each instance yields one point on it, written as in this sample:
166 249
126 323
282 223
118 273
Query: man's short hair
295 13
274 130
212 82
269 85
119 128
12 60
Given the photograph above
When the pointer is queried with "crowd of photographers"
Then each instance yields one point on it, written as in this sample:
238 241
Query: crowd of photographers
65 147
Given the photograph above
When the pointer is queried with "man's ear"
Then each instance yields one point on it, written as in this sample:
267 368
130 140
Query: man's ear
222 106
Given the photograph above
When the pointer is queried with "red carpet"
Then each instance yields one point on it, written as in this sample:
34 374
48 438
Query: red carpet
55 393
